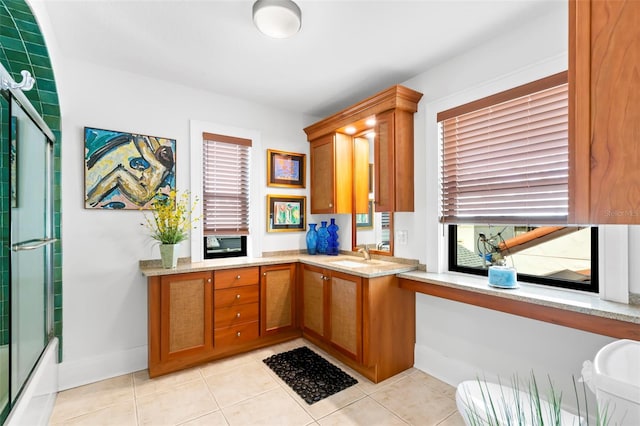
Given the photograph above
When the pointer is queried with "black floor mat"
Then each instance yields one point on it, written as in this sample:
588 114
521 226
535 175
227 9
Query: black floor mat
308 374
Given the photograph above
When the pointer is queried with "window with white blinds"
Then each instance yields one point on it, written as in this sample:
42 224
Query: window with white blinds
225 191
505 158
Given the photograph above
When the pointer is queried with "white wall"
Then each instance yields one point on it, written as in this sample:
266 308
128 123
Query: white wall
104 293
455 341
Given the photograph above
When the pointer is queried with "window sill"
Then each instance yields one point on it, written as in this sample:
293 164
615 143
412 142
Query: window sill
573 309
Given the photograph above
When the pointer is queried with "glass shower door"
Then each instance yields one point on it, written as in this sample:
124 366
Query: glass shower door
31 239
5 190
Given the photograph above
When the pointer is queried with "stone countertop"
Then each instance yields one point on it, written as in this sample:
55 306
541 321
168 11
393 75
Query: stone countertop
353 265
581 302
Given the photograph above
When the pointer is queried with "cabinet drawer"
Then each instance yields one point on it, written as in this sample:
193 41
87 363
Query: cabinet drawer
236 296
230 336
227 278
234 315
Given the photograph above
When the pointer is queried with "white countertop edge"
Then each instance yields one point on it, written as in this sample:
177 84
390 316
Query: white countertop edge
582 302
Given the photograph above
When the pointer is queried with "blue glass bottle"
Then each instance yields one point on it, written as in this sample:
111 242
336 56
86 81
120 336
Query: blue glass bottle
312 239
323 238
334 245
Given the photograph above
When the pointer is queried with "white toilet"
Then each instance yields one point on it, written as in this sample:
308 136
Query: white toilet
614 377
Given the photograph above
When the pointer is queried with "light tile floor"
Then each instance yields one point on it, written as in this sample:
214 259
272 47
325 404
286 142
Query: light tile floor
242 390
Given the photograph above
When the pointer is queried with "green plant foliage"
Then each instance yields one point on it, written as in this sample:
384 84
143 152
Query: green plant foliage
172 218
522 404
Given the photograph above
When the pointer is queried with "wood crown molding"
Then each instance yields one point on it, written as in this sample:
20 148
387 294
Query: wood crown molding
395 97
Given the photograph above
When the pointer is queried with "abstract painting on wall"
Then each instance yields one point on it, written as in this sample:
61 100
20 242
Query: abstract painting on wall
127 171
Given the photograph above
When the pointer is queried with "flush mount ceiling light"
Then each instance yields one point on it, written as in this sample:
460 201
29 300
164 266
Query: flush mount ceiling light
277 18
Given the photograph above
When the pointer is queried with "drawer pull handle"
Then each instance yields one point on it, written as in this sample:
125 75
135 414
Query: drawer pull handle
237 277
238 334
209 280
237 296
238 315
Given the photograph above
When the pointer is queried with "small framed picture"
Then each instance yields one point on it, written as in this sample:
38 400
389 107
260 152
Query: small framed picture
286 213
365 220
285 169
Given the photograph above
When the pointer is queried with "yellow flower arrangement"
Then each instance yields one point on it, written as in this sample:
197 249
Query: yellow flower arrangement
172 218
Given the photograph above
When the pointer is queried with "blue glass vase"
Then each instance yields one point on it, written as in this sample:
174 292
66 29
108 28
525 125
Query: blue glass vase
323 238
312 239
334 245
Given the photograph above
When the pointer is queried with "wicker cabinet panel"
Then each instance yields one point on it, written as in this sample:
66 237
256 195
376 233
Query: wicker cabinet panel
180 318
346 314
227 278
313 300
277 298
331 174
187 301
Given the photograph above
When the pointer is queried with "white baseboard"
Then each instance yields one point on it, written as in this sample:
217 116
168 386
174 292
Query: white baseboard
449 370
89 370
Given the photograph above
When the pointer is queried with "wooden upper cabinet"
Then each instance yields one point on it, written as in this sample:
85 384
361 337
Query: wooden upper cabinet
604 111
331 174
393 110
394 162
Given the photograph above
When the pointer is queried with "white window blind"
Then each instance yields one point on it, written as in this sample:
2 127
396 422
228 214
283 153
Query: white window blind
225 185
505 158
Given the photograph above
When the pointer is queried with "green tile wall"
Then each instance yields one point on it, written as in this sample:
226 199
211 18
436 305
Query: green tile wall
22 47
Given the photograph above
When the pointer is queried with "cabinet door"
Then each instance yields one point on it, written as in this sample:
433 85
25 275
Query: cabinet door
384 162
277 301
186 316
322 174
313 300
604 91
345 311
331 174
361 179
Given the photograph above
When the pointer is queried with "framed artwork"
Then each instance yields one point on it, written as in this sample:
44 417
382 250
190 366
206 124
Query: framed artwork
13 159
285 169
365 220
286 213
127 171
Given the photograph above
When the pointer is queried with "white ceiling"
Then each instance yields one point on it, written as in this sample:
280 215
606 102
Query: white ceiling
346 50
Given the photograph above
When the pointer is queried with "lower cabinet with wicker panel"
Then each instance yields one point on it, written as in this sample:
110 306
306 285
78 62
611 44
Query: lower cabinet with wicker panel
277 300
200 316
368 323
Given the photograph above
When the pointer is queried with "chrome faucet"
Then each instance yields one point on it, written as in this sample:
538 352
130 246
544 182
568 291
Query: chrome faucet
365 252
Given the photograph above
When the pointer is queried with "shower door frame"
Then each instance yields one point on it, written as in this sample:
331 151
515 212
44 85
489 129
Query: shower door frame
21 100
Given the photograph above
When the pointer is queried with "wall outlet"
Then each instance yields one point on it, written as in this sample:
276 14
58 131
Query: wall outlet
402 237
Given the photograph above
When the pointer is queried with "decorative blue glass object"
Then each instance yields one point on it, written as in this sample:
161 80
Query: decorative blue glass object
323 238
312 239
334 245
